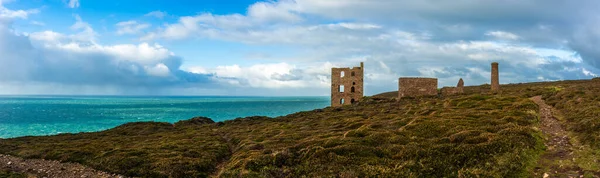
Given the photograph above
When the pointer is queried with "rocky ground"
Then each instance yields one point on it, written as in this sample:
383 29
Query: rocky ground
47 168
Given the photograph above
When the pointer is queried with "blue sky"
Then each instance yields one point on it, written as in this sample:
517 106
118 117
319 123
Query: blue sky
287 47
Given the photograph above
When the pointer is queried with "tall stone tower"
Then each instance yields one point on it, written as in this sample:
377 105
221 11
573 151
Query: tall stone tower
346 85
495 78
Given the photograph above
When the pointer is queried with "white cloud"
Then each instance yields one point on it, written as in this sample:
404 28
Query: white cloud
160 70
12 14
73 3
197 70
49 62
38 23
143 53
588 73
86 32
47 36
273 12
205 24
355 26
502 35
157 14
273 75
131 27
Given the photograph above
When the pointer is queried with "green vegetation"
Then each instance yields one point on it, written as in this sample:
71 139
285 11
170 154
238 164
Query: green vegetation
579 104
8 174
470 135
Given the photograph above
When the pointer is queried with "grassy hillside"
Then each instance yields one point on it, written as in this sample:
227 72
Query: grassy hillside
580 105
475 134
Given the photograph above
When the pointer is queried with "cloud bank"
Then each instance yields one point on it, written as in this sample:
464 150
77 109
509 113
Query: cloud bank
49 58
534 40
448 40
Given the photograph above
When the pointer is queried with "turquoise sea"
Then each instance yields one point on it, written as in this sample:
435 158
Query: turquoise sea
49 115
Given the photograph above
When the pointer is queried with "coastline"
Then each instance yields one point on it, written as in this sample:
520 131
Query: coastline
22 116
476 133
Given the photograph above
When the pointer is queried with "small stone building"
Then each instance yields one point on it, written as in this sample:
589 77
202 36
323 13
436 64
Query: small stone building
346 85
413 87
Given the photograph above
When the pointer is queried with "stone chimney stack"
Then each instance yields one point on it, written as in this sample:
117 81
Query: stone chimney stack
495 78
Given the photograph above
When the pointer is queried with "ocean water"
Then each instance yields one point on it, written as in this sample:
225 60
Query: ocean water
49 115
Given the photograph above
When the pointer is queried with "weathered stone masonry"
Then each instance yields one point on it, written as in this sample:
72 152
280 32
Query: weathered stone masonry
413 87
346 85
495 78
459 89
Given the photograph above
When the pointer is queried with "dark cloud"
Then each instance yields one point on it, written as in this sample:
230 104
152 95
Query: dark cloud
539 23
586 40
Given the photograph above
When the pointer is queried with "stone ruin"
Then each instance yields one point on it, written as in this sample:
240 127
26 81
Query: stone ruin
413 87
459 89
346 85
495 78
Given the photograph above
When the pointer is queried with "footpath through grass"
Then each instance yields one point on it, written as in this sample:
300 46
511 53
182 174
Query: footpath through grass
578 105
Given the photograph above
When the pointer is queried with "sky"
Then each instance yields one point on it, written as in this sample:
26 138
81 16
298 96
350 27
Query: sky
287 47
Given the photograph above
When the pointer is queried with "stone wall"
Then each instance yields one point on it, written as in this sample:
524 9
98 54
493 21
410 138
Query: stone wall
459 89
346 85
447 91
413 87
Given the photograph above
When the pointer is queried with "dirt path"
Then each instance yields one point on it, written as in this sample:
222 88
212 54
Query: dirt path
558 160
220 168
50 169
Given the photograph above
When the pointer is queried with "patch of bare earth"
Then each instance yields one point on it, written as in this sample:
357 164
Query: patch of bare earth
558 160
47 168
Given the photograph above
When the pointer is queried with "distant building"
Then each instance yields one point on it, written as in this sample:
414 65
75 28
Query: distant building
413 87
346 85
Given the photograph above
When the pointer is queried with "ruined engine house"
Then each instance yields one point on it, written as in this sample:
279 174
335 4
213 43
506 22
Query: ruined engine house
346 85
